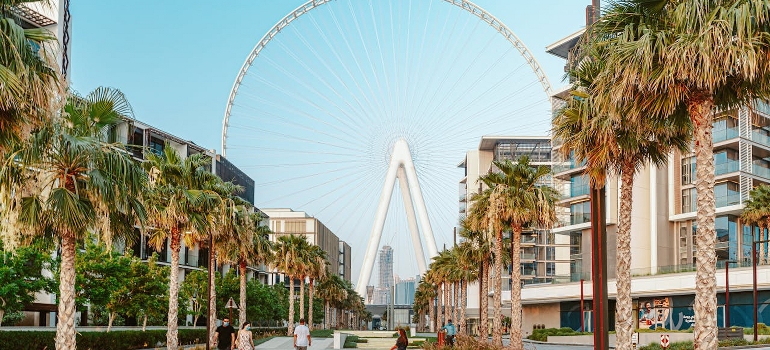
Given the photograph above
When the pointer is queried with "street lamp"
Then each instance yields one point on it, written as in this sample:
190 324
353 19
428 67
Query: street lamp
727 292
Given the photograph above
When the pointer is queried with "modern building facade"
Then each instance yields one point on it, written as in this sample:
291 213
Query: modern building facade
284 221
663 228
405 290
383 293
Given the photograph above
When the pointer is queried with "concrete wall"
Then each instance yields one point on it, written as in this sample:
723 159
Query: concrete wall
541 314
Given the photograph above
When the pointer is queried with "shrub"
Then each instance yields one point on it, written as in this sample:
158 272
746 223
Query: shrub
543 334
350 342
99 340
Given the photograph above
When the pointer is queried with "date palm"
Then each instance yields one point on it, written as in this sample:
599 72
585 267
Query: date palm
317 269
468 270
290 252
757 212
29 79
179 202
694 55
330 288
481 235
617 146
66 180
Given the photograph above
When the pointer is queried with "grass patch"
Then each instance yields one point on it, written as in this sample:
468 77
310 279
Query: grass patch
688 345
543 334
761 328
322 333
350 342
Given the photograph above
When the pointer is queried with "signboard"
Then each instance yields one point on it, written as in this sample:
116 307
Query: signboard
231 304
635 338
664 341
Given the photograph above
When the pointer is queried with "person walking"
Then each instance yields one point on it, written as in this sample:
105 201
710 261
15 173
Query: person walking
450 332
402 342
224 336
245 337
302 336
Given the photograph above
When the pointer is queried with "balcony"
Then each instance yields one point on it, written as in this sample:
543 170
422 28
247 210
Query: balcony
760 171
527 256
725 134
528 239
760 137
726 168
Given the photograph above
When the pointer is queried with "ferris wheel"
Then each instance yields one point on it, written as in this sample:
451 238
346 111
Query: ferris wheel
324 96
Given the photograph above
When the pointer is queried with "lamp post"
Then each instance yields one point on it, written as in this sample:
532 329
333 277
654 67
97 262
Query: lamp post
599 267
582 318
754 259
727 292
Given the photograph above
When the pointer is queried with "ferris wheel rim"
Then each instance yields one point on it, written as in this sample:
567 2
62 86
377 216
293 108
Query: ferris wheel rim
466 5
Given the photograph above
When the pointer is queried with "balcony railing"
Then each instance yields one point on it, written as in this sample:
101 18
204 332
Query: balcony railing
725 134
731 199
760 138
726 168
528 239
527 256
760 171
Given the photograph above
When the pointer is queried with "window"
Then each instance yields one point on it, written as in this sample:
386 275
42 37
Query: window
156 145
575 242
727 193
294 226
580 213
725 161
550 269
688 170
689 200
725 127
727 237
578 185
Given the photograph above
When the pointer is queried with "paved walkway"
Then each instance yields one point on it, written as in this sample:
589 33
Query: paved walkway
286 343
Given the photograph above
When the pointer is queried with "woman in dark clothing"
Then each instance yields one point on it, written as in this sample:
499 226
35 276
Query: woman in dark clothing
402 341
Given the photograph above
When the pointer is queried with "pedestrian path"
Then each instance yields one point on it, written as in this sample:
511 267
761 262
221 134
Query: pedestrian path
286 343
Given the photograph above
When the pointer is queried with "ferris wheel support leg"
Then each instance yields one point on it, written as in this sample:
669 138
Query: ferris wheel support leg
419 202
412 221
376 234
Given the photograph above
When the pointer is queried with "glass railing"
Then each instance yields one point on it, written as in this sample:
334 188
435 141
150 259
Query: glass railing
528 272
579 190
760 171
731 199
760 138
570 164
527 256
726 168
575 219
725 134
528 239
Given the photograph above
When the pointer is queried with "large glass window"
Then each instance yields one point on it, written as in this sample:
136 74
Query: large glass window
725 128
156 145
580 213
688 170
579 185
725 161
689 199
727 237
761 167
727 193
575 242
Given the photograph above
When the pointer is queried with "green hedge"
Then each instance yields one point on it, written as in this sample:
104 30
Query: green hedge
34 340
542 334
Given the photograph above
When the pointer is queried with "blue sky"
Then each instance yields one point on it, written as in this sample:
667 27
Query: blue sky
176 62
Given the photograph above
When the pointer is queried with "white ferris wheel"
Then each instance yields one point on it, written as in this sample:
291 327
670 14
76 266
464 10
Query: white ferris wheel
325 95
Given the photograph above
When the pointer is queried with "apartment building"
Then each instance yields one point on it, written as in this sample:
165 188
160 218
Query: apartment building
285 221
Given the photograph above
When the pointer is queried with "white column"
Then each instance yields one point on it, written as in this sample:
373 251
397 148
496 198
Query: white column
411 220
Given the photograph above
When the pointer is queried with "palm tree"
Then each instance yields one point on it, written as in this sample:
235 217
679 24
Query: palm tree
66 180
617 145
529 202
757 212
330 288
478 234
698 56
317 269
180 201
29 79
468 270
290 252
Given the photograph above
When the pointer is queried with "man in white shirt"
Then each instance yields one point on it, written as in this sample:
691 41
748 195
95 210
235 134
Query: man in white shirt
301 336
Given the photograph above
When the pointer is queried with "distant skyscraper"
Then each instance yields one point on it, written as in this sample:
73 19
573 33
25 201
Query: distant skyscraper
386 267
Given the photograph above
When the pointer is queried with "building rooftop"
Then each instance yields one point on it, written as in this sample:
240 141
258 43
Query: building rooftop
562 47
488 142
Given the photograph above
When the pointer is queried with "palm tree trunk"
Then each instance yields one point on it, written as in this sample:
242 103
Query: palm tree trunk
144 323
484 291
310 305
439 306
497 322
464 304
700 108
455 299
624 320
212 311
65 330
447 301
327 320
516 343
302 297
432 314
242 310
172 341
291 306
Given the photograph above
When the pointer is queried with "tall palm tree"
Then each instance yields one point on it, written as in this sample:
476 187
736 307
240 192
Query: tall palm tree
479 234
330 288
67 180
468 269
179 202
524 200
290 252
695 55
622 146
317 269
29 78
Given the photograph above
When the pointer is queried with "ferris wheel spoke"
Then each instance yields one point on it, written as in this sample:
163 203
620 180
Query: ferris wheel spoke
297 139
366 49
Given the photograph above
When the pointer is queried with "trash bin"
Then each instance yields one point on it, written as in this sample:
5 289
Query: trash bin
441 336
